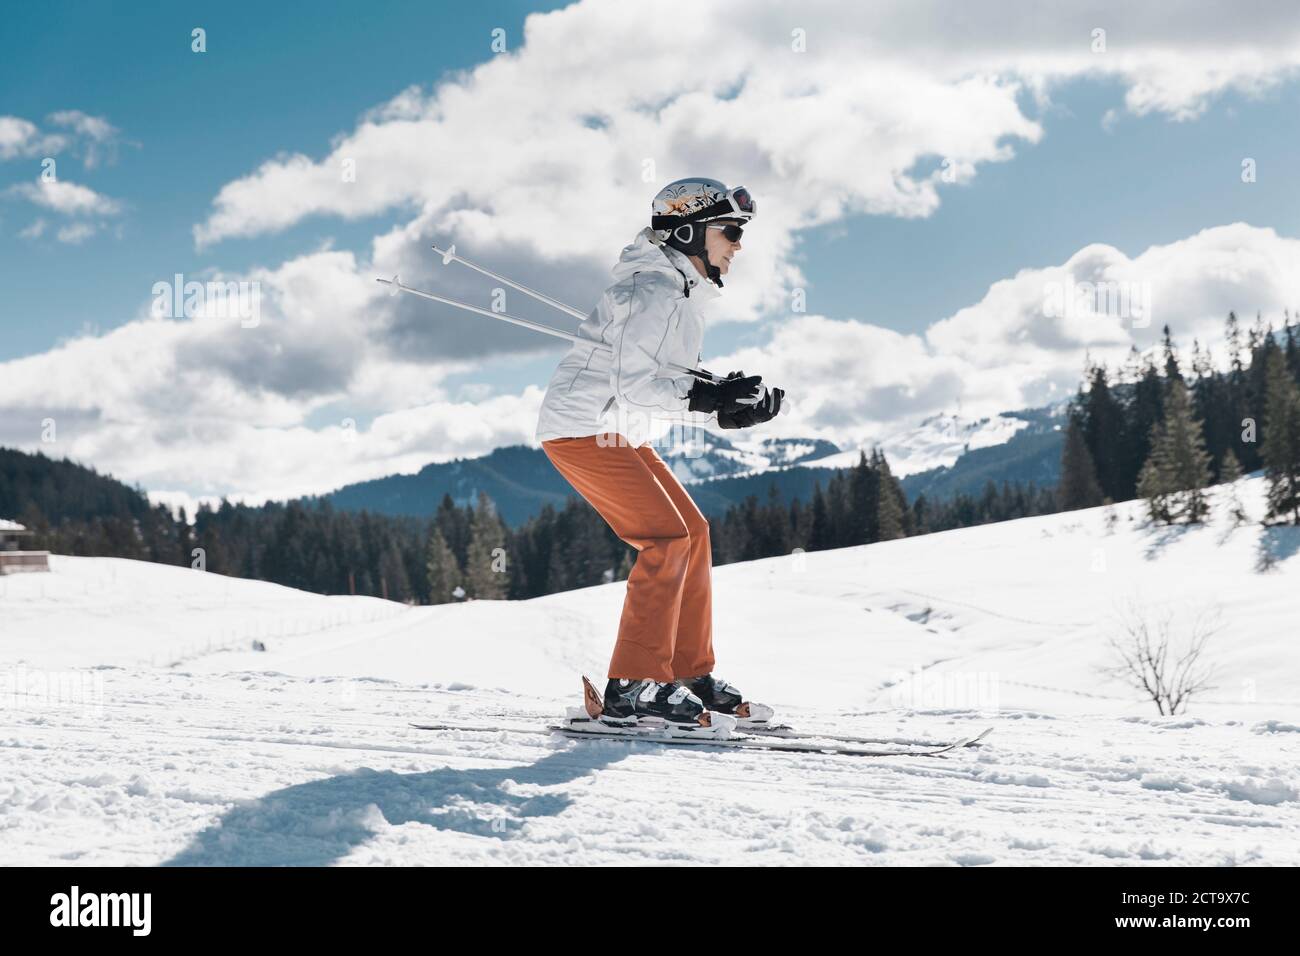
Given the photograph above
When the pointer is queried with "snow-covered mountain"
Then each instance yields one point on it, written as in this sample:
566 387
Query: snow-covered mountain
141 726
699 455
934 442
938 457
521 481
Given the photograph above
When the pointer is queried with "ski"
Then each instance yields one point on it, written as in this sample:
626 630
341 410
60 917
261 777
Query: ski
738 740
786 732
579 730
720 730
778 731
481 728
756 724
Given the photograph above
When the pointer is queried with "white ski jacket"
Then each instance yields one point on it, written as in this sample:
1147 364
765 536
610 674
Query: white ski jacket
652 314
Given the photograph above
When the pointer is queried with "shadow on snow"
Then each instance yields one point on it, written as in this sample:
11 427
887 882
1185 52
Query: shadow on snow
318 823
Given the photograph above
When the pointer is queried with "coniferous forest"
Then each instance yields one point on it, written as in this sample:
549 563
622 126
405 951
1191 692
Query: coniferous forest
1163 427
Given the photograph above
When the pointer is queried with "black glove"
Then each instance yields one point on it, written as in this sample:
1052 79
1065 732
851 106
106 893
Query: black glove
767 408
734 392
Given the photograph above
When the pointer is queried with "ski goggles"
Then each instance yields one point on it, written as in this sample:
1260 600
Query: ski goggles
730 231
741 201
737 203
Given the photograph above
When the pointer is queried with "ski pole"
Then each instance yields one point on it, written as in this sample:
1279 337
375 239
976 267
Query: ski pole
449 256
396 285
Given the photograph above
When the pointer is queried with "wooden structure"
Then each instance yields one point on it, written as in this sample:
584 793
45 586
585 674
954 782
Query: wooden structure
13 559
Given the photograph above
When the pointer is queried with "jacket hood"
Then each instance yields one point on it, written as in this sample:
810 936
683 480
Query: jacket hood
643 255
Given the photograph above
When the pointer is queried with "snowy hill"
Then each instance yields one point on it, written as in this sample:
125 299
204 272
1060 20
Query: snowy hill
140 726
936 442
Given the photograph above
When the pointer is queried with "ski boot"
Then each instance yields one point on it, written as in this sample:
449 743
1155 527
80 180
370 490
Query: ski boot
645 708
723 698
628 701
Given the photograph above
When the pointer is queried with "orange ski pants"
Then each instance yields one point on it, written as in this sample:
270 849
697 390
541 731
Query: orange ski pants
666 631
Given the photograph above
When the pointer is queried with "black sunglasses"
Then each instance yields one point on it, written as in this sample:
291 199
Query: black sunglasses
730 231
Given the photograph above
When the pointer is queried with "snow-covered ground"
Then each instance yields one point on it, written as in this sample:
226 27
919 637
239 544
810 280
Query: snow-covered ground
138 726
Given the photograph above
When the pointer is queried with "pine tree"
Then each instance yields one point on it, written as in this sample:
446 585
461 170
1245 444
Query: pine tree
863 500
1178 469
750 534
797 521
777 533
1235 402
486 535
1208 396
1153 486
891 506
1232 335
1105 433
819 534
1281 445
1172 371
440 565
1131 370
889 517
1145 409
837 501
1262 348
1079 488
1229 474
1292 348
395 585
1231 468
921 515
454 523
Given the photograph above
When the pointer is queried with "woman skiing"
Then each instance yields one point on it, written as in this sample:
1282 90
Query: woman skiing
651 318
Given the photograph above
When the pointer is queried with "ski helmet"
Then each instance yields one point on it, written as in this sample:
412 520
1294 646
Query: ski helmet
681 208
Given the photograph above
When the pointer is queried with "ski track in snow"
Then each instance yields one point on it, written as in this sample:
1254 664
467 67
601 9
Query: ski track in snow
303 755
266 769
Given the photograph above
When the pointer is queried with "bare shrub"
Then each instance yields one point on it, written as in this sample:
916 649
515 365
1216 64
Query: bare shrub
1147 660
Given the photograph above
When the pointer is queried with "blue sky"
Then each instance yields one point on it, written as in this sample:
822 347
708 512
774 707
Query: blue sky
936 288
290 82
274 78
1147 181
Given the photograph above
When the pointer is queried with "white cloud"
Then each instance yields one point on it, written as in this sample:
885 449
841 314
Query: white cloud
97 136
96 128
20 137
35 230
93 137
204 406
841 126
75 233
69 199
525 151
531 166
89 208
850 380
